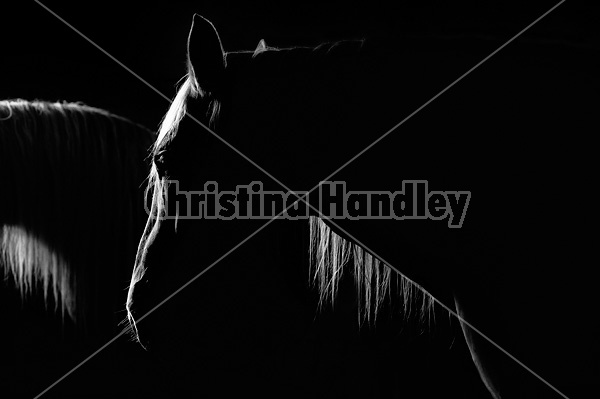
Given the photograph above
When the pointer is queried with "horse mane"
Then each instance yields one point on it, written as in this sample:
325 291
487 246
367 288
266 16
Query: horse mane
328 252
30 261
72 174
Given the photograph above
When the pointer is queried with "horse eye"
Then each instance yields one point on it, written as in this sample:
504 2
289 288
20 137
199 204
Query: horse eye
159 160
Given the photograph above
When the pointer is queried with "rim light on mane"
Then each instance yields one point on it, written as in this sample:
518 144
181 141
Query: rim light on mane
62 160
29 260
329 253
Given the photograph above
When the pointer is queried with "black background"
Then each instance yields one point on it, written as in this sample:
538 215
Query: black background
42 58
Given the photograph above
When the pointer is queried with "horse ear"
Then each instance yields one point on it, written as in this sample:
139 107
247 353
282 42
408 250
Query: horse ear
206 58
262 46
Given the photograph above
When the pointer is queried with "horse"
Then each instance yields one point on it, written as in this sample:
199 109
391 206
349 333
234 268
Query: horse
488 244
71 210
